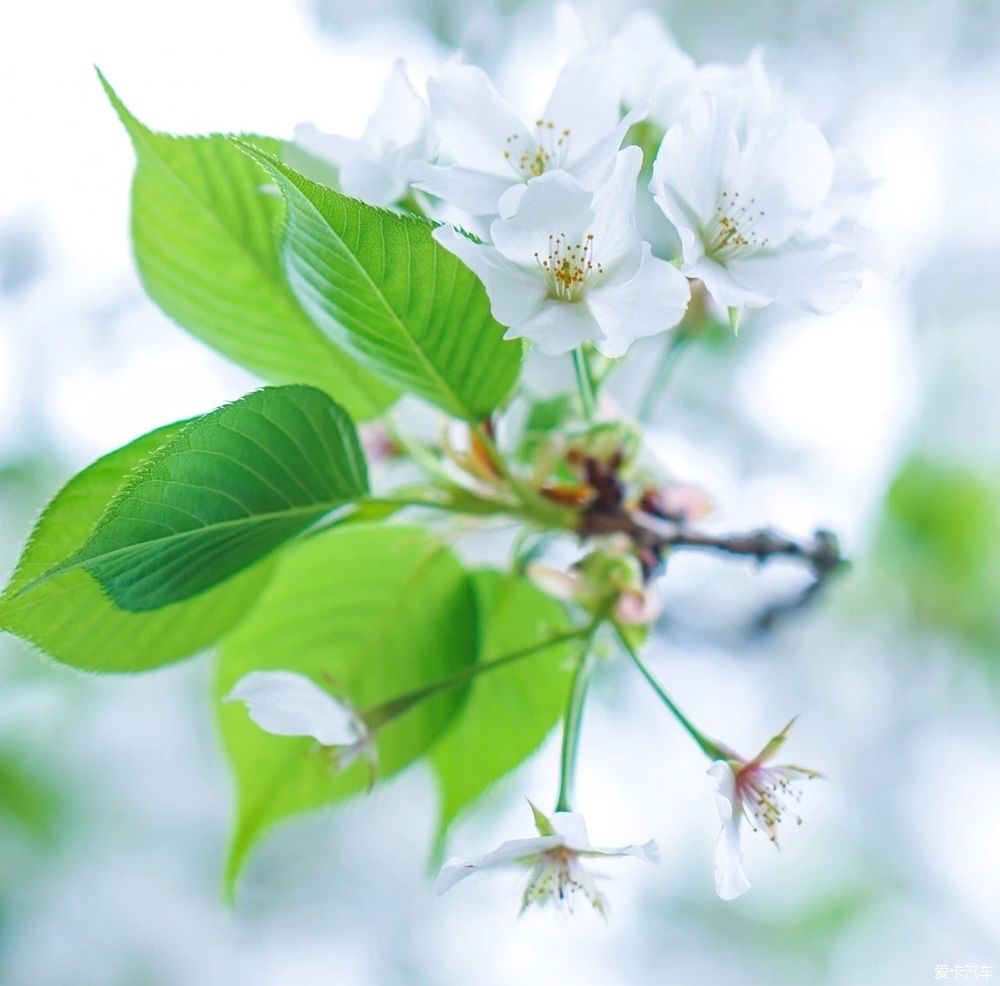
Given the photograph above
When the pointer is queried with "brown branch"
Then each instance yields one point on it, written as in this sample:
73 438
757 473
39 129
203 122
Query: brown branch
647 531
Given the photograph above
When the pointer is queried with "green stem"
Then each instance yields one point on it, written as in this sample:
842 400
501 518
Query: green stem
572 721
585 384
664 368
709 747
379 715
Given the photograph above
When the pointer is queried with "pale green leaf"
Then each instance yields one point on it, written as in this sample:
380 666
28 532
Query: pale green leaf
72 620
206 233
371 612
380 286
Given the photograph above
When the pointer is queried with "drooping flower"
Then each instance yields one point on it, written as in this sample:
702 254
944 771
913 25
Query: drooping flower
742 189
555 857
286 703
759 792
492 149
569 266
375 167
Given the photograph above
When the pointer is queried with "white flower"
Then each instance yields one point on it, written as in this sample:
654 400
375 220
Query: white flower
759 792
568 266
289 704
492 148
555 858
375 167
742 190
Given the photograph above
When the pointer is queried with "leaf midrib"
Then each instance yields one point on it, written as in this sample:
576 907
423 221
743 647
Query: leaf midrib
453 395
143 135
318 509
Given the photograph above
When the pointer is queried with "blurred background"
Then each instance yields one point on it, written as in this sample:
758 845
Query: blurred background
881 422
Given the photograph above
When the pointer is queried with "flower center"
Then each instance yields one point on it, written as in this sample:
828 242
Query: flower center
765 794
559 877
531 156
568 267
733 232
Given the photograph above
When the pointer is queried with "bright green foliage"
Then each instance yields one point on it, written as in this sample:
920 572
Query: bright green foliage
371 612
380 286
224 492
206 234
73 621
941 540
27 801
509 711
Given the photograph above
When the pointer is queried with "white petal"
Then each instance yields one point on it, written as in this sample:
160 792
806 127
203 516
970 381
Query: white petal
724 288
652 301
559 327
551 205
586 100
290 704
696 157
571 826
474 192
472 119
817 278
516 295
759 97
730 880
511 200
726 799
369 179
614 229
516 852
327 147
648 851
798 153
653 66
401 116
593 168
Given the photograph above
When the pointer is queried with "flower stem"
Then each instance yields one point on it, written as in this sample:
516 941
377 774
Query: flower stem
664 368
585 383
573 719
707 746
379 715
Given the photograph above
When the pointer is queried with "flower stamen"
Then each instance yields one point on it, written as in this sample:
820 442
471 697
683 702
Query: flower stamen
734 233
531 156
568 266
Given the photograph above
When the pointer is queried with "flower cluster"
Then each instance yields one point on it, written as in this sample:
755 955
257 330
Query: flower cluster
764 210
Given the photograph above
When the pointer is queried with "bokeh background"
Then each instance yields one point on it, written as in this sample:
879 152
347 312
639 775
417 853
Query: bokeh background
882 422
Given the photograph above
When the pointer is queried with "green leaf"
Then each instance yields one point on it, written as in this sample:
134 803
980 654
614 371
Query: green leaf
376 610
29 802
73 621
509 712
206 234
223 493
380 286
940 542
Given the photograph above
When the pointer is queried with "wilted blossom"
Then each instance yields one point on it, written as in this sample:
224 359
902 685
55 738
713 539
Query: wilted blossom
555 858
759 792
